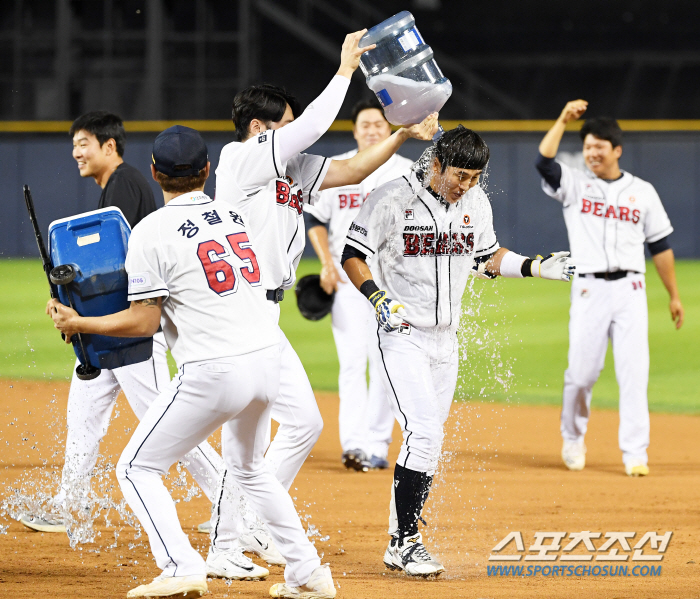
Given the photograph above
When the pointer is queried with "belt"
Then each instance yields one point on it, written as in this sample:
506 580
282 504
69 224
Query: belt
609 276
275 295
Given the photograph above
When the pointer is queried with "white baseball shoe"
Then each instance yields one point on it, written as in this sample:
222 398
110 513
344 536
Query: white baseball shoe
167 586
574 455
411 556
204 527
637 469
233 564
320 586
46 524
259 542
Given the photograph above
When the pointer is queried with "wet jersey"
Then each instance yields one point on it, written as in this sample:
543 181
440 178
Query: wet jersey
340 205
270 195
196 254
424 248
609 221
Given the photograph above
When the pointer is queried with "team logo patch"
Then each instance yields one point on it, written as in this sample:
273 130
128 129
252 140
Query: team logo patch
262 138
404 328
141 279
408 215
585 293
467 220
633 199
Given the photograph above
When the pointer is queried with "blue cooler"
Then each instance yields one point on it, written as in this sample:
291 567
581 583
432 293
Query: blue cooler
95 244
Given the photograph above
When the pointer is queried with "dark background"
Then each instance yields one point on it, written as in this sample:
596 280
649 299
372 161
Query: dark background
185 59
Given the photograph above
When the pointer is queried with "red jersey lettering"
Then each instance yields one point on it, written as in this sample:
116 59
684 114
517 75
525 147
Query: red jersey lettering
586 206
411 244
282 192
610 212
598 209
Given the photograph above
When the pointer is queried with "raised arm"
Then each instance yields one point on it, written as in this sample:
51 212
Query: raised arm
666 267
320 114
356 169
550 143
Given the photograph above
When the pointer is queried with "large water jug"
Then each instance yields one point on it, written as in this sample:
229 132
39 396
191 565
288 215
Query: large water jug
402 72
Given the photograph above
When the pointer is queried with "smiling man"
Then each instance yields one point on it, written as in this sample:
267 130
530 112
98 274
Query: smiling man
609 215
365 417
425 233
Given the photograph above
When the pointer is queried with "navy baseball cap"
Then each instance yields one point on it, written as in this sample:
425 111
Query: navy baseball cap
179 152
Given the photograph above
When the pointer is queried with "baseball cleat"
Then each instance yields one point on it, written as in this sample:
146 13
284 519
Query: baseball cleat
637 469
320 586
46 524
167 586
259 542
574 455
204 527
233 564
356 459
377 463
411 556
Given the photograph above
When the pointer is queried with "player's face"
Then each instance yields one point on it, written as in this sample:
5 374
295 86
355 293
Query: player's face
454 182
287 118
600 156
88 153
370 128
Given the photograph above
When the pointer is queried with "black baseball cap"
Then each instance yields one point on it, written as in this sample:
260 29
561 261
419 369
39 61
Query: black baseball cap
179 152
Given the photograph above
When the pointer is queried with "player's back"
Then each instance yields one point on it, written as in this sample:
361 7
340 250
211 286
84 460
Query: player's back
196 251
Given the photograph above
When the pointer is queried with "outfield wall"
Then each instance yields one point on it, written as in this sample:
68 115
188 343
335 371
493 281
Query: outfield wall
525 219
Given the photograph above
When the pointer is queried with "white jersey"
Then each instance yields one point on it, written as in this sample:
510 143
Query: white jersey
425 248
339 206
270 195
195 253
608 222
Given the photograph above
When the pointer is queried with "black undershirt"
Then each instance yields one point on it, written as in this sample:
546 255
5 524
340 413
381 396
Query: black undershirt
128 190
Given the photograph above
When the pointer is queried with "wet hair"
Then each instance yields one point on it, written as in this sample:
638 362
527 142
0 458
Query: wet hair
603 128
181 184
104 126
461 148
265 102
365 105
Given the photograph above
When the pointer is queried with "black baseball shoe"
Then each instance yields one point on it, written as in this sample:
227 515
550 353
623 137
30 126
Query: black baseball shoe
356 459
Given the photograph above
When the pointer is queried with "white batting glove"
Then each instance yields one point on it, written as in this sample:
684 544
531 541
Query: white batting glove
557 267
390 313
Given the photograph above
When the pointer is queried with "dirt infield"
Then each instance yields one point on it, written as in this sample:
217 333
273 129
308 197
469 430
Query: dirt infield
502 473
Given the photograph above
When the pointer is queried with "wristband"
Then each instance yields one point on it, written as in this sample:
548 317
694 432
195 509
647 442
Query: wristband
526 268
368 288
511 265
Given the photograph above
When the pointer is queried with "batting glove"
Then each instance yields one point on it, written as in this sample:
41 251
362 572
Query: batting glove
390 313
557 267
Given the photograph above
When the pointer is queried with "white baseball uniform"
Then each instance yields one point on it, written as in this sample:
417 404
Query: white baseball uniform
365 418
196 254
422 251
608 223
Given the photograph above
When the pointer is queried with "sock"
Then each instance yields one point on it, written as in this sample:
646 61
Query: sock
411 490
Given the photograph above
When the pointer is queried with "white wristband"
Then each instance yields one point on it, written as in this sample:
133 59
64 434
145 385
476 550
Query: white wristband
511 265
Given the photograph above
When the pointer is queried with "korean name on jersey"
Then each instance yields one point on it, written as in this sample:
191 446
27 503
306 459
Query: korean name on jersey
270 195
340 205
425 248
196 253
608 222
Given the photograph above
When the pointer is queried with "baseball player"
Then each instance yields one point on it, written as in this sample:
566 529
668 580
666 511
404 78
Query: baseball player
98 147
609 215
266 179
192 266
366 420
426 232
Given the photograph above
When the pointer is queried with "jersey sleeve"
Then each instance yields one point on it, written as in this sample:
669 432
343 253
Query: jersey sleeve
143 268
257 162
312 170
487 243
657 225
321 209
567 186
368 230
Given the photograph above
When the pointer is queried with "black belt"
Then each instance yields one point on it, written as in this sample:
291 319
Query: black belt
609 276
275 295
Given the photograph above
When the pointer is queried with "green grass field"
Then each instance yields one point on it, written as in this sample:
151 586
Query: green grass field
514 338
